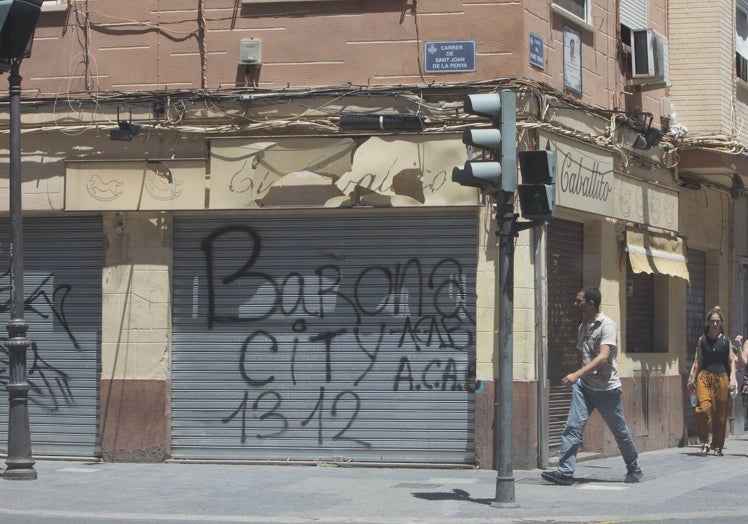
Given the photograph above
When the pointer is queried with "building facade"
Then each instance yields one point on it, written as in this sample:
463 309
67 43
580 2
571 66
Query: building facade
709 91
243 241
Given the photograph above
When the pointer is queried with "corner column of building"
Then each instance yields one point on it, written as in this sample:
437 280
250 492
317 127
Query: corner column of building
485 339
526 435
525 409
601 269
136 337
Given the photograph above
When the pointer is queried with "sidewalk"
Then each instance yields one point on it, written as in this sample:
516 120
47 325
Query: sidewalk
678 486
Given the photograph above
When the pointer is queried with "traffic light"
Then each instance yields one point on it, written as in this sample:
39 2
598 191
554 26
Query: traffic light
499 171
537 192
17 24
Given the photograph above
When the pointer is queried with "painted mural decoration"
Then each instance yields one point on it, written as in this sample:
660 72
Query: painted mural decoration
401 171
143 185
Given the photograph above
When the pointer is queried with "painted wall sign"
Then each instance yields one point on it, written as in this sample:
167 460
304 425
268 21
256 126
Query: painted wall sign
450 57
398 171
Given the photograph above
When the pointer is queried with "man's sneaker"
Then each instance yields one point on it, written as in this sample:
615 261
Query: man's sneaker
557 478
632 477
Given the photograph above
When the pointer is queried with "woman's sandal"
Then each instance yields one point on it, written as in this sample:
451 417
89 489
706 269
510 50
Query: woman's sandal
704 451
718 452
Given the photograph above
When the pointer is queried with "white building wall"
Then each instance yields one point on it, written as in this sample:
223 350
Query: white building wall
701 65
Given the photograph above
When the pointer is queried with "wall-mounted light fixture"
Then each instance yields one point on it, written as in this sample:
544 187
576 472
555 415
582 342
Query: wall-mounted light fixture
126 129
650 138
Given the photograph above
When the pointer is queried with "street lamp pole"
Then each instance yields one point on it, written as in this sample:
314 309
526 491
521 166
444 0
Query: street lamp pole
18 20
20 465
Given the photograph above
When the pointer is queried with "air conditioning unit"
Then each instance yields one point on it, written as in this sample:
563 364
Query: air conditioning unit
649 58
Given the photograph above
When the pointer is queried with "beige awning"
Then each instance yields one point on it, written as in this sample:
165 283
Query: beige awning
656 253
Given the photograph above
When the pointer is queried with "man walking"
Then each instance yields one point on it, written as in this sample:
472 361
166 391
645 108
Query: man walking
594 386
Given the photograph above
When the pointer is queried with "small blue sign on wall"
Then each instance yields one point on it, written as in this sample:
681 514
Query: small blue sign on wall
450 57
537 51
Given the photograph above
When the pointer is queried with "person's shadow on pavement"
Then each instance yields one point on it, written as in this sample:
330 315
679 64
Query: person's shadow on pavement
585 480
455 494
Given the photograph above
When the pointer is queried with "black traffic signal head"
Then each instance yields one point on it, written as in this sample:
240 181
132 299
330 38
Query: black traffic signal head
537 192
537 166
536 202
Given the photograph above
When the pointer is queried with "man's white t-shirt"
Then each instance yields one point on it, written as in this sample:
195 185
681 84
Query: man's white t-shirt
590 336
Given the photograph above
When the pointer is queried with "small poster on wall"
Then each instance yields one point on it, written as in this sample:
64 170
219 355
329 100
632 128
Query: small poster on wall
572 60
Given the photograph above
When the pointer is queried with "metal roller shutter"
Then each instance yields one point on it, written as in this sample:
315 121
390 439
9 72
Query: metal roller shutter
63 258
332 336
633 13
565 254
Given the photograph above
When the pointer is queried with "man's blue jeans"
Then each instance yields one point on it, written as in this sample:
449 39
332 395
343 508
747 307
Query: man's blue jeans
583 402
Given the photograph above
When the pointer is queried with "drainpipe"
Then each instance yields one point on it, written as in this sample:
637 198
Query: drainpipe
740 246
739 323
539 247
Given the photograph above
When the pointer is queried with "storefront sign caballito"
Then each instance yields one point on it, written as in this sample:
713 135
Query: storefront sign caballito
586 181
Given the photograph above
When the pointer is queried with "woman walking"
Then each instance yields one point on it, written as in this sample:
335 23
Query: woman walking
713 376
742 351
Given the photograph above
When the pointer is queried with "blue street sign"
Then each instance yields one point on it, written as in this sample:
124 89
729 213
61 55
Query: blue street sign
537 51
450 57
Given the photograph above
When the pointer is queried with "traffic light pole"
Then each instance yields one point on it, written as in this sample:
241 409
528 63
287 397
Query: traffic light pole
506 221
498 177
508 227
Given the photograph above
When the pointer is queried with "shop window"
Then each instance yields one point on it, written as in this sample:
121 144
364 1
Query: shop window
645 309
